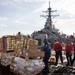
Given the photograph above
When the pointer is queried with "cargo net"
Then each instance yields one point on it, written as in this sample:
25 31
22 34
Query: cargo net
59 70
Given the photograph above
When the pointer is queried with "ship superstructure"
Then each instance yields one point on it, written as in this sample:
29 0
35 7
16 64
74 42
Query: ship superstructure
49 31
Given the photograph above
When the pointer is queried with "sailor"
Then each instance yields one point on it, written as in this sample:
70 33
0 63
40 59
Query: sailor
74 54
69 49
47 49
58 50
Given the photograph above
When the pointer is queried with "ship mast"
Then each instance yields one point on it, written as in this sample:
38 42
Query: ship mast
49 16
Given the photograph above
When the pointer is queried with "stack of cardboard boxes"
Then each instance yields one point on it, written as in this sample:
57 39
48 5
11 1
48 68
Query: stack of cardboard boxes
1 44
20 46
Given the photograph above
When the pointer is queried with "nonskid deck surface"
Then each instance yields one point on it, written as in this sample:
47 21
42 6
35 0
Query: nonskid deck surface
54 70
59 70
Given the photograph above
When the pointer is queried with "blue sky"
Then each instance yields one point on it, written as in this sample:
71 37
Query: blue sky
24 16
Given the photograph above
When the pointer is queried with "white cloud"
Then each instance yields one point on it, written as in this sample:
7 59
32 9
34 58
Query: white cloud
3 18
43 7
12 3
20 22
3 21
34 0
65 25
37 10
3 26
65 22
16 0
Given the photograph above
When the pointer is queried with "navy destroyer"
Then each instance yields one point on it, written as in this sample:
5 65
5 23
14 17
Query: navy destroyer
49 31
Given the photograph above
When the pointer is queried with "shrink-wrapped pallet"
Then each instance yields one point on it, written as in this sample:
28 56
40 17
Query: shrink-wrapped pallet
23 67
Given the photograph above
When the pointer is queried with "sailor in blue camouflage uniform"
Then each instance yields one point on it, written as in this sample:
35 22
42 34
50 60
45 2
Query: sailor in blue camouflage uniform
47 49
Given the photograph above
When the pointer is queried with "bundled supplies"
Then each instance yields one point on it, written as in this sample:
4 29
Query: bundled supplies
22 66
